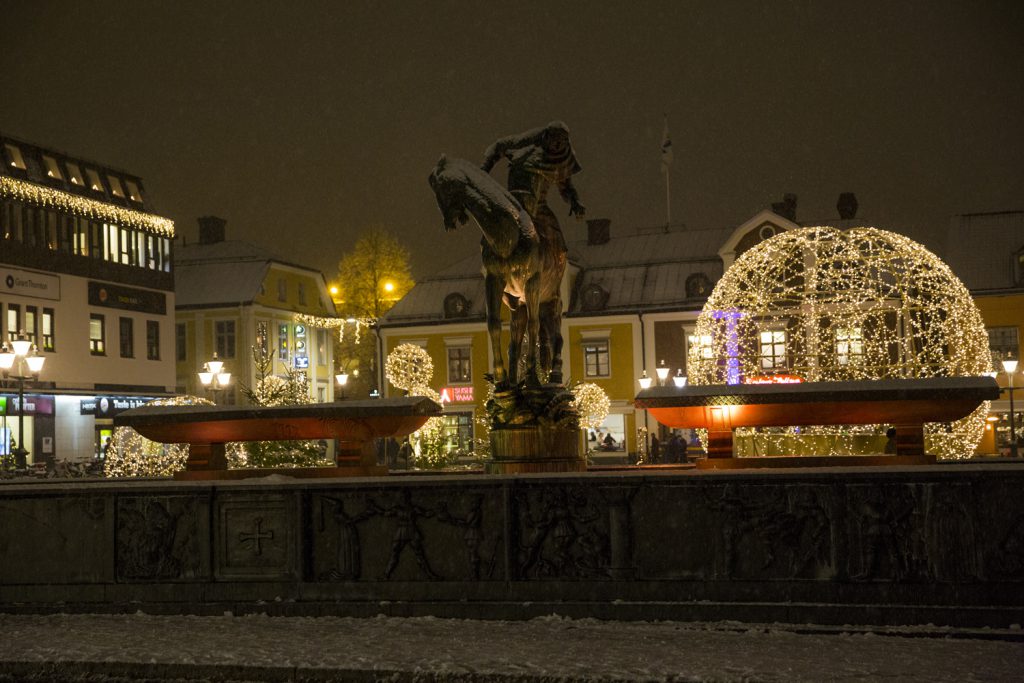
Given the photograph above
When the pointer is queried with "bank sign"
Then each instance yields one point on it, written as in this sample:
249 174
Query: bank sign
28 283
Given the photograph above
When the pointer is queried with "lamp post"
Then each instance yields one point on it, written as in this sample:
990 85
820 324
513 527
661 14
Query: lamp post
662 372
1010 367
679 379
213 378
342 379
29 365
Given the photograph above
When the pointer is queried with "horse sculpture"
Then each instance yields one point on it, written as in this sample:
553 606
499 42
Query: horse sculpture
523 262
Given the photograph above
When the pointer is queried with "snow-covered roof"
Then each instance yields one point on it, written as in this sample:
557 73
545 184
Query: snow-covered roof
425 301
646 270
983 249
227 272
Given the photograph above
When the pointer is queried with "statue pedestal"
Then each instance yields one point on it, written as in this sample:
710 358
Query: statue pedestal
534 448
534 430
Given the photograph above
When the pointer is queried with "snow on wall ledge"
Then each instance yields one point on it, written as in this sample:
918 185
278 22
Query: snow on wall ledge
887 546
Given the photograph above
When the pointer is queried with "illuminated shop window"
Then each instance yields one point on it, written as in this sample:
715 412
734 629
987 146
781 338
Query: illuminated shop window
773 350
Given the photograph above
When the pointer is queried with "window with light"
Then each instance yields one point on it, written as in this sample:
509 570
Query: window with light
596 359
773 349
850 345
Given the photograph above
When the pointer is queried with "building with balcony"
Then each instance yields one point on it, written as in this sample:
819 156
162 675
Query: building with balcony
86 274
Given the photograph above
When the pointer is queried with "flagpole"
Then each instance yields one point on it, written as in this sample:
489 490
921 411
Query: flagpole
666 163
668 199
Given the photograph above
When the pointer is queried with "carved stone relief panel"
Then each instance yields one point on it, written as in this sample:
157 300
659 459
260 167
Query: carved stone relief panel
255 536
560 532
408 534
56 539
162 538
999 533
886 538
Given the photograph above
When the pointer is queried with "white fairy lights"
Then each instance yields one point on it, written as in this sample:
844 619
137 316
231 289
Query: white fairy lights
47 197
825 305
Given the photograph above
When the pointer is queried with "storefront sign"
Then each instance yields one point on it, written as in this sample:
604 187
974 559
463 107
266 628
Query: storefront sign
108 406
457 394
127 298
29 283
773 379
34 405
302 361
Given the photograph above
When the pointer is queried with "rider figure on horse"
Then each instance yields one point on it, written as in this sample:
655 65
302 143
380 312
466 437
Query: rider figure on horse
538 159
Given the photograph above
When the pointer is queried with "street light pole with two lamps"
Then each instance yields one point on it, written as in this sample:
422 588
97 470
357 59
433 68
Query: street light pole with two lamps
213 377
21 353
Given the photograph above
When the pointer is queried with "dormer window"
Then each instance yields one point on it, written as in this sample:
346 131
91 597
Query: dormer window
94 180
74 174
14 157
115 186
52 169
133 191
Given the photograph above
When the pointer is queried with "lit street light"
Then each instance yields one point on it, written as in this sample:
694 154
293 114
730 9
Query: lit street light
662 372
213 378
1010 367
342 379
29 365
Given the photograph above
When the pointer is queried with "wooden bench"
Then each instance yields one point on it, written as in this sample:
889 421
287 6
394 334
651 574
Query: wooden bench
353 424
904 403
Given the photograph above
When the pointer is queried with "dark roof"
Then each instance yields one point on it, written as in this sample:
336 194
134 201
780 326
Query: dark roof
984 249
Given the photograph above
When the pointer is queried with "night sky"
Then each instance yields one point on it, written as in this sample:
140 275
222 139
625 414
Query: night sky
304 123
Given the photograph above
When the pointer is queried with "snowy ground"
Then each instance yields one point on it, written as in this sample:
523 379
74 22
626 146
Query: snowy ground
261 648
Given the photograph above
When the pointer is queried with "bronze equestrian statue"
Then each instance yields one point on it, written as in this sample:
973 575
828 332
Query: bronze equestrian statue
523 250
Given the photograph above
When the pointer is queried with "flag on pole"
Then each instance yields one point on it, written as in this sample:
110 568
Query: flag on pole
666 149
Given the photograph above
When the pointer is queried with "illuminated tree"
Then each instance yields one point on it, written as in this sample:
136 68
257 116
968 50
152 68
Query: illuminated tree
133 455
826 305
272 390
373 277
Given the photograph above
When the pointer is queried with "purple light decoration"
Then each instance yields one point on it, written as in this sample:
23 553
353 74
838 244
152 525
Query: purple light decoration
732 344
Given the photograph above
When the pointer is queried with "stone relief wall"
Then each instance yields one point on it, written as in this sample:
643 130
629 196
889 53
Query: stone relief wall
678 537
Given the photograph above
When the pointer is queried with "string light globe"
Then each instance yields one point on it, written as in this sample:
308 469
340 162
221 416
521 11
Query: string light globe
409 366
591 403
825 305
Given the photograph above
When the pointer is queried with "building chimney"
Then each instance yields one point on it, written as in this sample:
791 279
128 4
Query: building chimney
211 229
787 207
599 230
847 205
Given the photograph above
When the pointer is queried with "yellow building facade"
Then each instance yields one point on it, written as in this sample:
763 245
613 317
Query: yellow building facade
234 298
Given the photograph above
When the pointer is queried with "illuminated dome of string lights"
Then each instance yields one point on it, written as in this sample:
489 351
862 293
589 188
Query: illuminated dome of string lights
828 305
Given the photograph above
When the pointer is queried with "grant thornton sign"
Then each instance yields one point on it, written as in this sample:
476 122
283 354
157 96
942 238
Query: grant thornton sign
29 283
